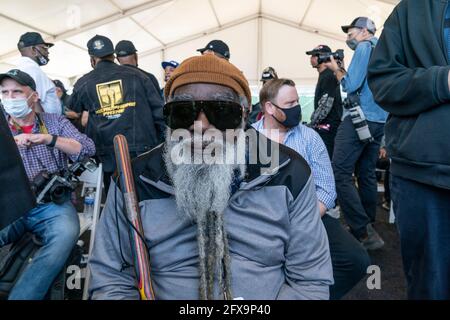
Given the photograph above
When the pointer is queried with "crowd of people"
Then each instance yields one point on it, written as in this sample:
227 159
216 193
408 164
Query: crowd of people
269 227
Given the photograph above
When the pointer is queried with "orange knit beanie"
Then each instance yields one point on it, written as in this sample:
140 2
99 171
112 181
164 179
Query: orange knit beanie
208 69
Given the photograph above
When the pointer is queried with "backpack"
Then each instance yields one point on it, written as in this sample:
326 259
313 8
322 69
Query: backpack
18 258
21 255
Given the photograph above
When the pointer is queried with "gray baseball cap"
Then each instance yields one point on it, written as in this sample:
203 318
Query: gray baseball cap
361 22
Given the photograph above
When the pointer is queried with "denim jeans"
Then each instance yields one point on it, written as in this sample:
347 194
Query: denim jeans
423 220
57 227
359 205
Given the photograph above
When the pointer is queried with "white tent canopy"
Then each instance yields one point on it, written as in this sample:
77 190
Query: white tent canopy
260 33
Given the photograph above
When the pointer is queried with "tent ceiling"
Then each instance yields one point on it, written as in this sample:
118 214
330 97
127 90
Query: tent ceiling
259 32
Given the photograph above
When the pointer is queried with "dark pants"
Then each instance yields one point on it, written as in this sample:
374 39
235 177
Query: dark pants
423 220
328 138
349 258
352 156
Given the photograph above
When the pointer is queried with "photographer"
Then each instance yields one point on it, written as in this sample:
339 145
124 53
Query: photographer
357 142
327 100
45 142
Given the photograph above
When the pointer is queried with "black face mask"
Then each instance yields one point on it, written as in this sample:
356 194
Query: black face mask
293 116
41 59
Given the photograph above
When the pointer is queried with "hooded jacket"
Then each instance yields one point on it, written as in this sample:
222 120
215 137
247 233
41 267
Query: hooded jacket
408 75
278 245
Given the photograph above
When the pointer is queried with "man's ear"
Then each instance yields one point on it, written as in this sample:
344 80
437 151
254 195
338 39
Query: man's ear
93 62
268 107
34 97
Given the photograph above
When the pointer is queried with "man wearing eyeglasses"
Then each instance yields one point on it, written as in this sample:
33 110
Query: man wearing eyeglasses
216 230
35 53
351 155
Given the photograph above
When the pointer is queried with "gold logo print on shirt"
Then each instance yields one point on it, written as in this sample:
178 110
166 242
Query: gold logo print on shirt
110 96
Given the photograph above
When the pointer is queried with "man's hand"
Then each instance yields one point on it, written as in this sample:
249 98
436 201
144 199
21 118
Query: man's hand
29 140
72 115
322 209
332 65
383 153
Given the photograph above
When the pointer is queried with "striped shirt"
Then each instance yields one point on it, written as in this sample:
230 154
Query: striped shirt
310 146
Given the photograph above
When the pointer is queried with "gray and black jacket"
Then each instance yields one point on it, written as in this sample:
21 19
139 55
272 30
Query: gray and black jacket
278 245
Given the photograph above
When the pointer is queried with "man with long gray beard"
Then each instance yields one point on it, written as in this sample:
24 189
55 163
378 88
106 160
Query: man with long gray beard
216 226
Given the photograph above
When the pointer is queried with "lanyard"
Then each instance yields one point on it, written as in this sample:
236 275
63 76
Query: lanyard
42 128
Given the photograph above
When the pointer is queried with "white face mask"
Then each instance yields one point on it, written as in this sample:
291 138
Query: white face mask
17 108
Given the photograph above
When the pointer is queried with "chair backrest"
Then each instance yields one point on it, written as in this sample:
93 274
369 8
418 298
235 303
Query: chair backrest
92 180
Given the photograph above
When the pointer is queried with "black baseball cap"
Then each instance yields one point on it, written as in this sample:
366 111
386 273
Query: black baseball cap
361 22
320 49
30 39
21 77
125 48
269 73
100 46
219 47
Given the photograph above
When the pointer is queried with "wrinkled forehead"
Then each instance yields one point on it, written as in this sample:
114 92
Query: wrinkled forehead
205 91
11 84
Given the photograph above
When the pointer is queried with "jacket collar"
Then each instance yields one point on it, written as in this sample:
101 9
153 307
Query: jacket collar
104 64
155 172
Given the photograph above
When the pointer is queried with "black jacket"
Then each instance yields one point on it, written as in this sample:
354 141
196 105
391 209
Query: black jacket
328 84
147 74
120 100
408 75
16 198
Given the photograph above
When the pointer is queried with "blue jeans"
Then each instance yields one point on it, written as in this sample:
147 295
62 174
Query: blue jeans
423 220
352 156
57 227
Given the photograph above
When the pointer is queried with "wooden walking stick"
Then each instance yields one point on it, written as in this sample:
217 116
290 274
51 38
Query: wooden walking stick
139 250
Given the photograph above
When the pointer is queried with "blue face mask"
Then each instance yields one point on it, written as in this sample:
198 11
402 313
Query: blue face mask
293 116
17 108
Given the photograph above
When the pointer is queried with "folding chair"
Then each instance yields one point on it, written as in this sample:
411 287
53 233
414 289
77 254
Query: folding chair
91 180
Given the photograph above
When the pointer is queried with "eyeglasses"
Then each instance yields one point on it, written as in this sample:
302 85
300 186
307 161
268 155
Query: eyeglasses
221 114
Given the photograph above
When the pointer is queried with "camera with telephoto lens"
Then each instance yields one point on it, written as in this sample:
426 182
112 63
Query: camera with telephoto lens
352 104
57 187
326 57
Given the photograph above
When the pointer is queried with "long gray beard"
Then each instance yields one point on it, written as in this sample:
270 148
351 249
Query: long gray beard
202 193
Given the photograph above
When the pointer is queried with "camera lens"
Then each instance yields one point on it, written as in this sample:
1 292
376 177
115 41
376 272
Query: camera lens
59 194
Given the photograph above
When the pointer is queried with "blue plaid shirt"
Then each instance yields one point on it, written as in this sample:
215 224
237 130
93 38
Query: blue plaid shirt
310 146
42 158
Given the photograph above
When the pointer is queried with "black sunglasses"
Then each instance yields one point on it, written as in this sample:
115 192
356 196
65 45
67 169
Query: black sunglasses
221 114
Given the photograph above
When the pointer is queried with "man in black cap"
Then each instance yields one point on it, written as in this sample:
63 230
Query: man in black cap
119 100
34 51
268 74
218 48
327 100
126 54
